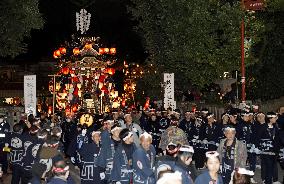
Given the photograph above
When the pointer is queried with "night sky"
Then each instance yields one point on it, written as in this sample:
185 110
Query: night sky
110 21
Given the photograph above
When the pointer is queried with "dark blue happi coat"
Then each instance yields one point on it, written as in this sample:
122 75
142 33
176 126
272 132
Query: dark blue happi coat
107 153
205 178
122 163
90 172
16 143
143 163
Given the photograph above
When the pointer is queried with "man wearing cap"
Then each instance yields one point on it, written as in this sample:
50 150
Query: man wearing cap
143 161
134 128
233 153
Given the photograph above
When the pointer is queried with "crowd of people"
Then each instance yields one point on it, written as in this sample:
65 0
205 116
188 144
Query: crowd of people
150 146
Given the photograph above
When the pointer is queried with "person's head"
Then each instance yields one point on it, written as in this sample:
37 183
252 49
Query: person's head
272 117
17 128
174 120
33 130
60 169
115 115
115 130
230 132
126 136
56 131
185 153
108 123
210 118
96 136
153 117
172 149
260 117
145 141
52 141
242 176
245 116
170 177
225 118
187 115
233 118
128 118
42 134
212 161
163 169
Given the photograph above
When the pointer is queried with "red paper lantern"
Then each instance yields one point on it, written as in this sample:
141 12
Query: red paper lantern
65 70
76 51
123 103
88 46
75 108
62 50
56 53
104 89
75 92
106 50
110 71
101 50
102 78
49 109
113 50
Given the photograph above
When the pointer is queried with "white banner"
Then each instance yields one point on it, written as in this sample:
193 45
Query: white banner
169 82
30 94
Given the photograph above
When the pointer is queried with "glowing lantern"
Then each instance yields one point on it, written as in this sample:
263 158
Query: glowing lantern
101 51
123 103
146 106
79 85
62 50
88 46
76 51
56 53
101 85
49 109
65 70
106 50
113 50
75 108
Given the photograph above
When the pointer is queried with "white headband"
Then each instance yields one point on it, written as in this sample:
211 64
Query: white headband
211 154
128 136
163 167
271 116
230 129
205 112
109 121
127 115
146 135
95 132
169 176
115 128
210 116
187 149
255 106
246 172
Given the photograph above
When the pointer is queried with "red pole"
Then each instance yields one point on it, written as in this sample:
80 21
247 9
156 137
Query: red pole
243 80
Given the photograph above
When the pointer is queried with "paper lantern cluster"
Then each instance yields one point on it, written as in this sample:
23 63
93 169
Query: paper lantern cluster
85 76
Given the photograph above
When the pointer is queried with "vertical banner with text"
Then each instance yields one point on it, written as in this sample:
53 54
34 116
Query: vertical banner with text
30 94
169 96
